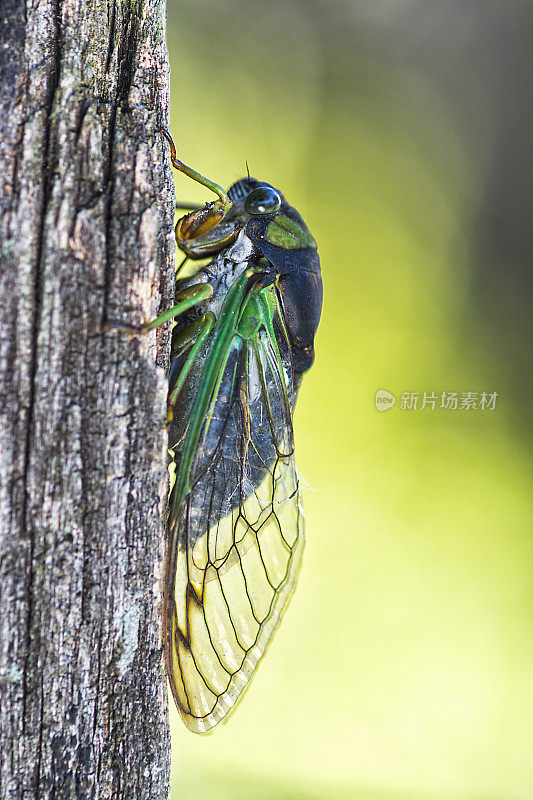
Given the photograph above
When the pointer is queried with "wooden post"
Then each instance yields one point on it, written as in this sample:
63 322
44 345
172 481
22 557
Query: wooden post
86 209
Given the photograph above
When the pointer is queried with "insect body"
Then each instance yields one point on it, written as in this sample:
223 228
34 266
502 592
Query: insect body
242 341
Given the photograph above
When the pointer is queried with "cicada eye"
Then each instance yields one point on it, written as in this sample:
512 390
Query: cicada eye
263 200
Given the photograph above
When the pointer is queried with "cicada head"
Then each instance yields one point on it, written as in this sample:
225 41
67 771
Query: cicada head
214 227
251 204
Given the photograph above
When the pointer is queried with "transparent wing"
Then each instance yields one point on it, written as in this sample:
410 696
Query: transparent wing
238 535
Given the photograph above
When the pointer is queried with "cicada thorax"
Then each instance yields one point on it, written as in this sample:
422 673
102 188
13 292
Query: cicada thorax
299 280
236 527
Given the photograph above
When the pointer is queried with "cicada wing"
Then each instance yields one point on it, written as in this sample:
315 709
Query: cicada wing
238 535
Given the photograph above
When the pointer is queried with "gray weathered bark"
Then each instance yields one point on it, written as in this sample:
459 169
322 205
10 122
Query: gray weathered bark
86 204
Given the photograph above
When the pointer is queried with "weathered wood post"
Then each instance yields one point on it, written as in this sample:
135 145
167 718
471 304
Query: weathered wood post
86 206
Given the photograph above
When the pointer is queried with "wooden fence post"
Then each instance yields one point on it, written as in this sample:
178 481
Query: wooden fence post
86 209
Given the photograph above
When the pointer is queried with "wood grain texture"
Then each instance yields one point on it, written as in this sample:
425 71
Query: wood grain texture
86 210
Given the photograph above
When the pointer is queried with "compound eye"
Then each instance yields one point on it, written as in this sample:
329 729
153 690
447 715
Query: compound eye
263 200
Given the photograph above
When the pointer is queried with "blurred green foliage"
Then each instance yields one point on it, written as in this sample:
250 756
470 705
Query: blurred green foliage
403 667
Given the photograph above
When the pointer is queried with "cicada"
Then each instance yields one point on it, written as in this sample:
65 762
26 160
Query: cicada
243 338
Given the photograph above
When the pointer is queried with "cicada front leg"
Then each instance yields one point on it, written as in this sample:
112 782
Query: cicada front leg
186 299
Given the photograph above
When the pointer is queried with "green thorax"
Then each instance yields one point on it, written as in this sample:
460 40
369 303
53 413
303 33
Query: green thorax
288 233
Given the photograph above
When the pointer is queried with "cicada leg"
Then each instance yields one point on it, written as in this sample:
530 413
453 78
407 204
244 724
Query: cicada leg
193 336
187 298
196 176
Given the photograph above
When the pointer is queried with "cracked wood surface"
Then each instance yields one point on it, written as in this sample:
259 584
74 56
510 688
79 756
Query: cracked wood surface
86 210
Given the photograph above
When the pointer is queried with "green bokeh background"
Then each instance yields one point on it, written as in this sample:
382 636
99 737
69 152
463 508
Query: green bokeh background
403 668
